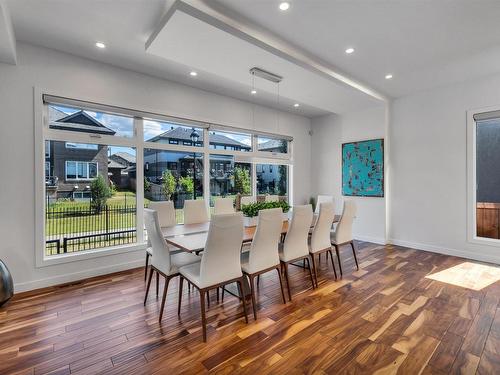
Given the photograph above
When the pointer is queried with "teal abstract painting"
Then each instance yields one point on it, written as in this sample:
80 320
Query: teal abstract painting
363 168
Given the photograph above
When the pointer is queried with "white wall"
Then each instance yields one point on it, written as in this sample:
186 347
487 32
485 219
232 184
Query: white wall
79 78
428 161
329 132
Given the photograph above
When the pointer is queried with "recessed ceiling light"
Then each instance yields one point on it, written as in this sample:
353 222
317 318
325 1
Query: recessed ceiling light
100 45
349 50
193 74
253 92
388 76
284 5
296 105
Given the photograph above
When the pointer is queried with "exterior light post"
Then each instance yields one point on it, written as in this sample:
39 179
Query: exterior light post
194 139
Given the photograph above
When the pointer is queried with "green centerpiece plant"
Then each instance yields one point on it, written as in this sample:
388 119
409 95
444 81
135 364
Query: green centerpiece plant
253 209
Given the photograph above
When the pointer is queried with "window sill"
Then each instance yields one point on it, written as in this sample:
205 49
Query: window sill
47 261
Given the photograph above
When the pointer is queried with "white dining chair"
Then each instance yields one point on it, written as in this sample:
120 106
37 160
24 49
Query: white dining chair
195 211
272 198
322 199
163 262
343 233
246 199
320 238
220 264
296 246
223 206
166 218
264 250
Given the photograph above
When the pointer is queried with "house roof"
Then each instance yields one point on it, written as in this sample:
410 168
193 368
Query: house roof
114 164
129 158
184 134
78 121
270 145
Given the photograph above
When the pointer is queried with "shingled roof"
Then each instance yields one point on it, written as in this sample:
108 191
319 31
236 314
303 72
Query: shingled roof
184 134
78 122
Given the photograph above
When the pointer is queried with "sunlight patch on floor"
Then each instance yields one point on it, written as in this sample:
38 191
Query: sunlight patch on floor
468 275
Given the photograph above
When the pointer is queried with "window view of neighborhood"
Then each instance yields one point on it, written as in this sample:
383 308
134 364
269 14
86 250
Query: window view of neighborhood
488 178
90 188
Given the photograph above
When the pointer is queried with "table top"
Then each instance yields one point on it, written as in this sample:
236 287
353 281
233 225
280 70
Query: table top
193 239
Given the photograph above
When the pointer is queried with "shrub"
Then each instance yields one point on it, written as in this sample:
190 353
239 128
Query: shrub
186 184
253 209
100 192
168 184
242 181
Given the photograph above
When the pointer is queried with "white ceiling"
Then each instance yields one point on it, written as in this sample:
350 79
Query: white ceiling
423 43
209 49
7 41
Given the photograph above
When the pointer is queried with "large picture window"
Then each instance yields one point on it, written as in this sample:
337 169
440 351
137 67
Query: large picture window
102 167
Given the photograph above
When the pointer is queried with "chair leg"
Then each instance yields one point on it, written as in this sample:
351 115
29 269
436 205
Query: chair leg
252 291
181 283
164 298
157 284
258 280
218 295
208 298
243 299
310 272
354 253
338 257
203 317
149 284
315 268
285 268
281 285
146 267
333 263
222 297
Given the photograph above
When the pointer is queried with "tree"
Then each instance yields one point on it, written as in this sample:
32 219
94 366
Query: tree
100 192
168 184
186 184
242 181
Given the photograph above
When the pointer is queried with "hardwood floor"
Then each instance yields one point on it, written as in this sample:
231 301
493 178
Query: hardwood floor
387 316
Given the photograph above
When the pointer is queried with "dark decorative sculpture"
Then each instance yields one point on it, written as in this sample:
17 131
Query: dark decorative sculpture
6 284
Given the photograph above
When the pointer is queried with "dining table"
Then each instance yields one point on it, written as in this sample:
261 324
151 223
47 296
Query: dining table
192 238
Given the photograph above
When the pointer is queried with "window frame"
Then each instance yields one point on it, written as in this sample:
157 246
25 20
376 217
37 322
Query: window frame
44 133
472 236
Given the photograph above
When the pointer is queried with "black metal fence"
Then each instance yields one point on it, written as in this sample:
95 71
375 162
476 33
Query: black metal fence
79 228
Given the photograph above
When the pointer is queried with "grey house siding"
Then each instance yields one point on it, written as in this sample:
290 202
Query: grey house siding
61 154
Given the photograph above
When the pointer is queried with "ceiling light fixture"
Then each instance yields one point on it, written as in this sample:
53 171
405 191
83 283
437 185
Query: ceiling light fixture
388 76
349 50
193 74
253 92
100 45
284 5
296 105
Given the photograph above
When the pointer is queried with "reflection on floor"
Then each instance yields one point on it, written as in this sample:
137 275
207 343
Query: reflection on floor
469 275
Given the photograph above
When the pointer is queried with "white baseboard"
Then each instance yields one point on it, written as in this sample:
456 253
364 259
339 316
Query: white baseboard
377 240
447 251
75 276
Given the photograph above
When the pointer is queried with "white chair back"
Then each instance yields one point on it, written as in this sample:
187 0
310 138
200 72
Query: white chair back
343 233
272 198
161 253
264 249
221 259
223 206
320 238
195 211
322 199
246 199
295 245
166 212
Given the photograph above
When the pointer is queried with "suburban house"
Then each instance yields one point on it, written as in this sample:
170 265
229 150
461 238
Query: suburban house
71 166
121 169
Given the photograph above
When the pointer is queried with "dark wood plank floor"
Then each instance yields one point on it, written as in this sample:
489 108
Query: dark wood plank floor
385 317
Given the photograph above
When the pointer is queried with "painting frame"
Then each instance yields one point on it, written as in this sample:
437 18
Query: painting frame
380 192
